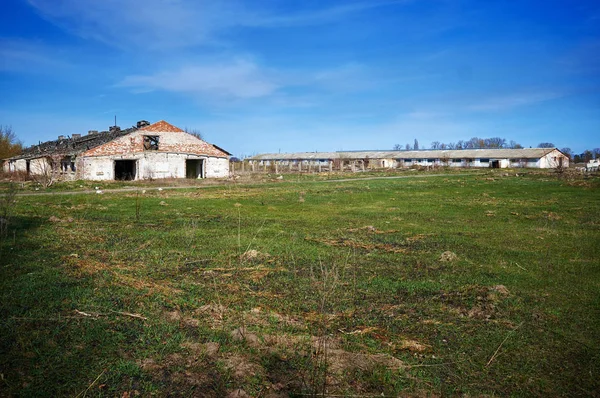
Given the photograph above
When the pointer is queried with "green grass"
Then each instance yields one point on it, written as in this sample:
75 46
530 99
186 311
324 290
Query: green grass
346 294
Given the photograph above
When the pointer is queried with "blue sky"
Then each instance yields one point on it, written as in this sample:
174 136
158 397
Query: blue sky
274 75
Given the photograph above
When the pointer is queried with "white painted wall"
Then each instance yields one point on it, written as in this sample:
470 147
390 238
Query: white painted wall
152 165
216 167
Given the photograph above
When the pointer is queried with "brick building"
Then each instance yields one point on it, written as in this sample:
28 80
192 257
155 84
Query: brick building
146 151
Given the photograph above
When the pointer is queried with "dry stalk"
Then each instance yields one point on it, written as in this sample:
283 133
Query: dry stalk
503 341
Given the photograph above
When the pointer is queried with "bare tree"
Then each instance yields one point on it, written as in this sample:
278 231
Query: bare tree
407 147
416 145
435 145
494 142
546 145
45 171
195 132
9 143
397 147
568 152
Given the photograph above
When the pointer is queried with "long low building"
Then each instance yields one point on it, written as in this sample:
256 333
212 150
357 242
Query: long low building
145 151
542 158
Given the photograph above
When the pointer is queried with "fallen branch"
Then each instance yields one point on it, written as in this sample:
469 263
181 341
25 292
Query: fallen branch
86 314
523 268
503 341
137 316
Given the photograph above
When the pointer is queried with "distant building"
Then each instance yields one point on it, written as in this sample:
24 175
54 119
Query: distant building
542 158
146 151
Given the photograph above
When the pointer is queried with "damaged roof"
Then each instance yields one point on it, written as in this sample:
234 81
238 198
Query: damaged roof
72 146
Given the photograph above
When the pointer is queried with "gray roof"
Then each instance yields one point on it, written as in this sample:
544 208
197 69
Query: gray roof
71 146
426 154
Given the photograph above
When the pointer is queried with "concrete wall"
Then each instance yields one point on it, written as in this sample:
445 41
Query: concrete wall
168 161
217 167
553 159
152 166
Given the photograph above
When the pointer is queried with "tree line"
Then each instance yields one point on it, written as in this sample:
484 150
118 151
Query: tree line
582 157
500 143
473 143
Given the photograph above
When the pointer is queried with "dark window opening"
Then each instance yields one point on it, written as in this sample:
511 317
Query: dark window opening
482 160
456 160
194 168
125 170
67 164
151 143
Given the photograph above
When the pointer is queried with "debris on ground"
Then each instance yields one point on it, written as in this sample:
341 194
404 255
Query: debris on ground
251 255
448 256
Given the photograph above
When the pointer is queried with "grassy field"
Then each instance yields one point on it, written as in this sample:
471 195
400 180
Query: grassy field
470 284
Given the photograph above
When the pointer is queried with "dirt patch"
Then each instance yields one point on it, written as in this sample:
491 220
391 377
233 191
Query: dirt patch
486 300
54 219
242 367
80 267
184 376
239 393
213 314
339 361
173 316
500 289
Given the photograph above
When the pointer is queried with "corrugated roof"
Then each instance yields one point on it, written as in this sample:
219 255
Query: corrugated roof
427 154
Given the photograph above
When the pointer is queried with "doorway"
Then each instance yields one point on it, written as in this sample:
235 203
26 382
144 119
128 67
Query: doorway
194 168
495 164
125 170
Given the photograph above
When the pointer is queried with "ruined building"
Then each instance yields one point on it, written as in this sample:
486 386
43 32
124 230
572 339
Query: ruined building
145 151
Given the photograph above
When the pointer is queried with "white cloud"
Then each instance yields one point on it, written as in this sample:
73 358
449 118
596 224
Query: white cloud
151 24
237 79
160 24
241 78
513 101
318 16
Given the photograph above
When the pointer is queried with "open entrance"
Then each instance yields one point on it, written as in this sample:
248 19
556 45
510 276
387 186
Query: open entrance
28 166
125 170
194 168
495 164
